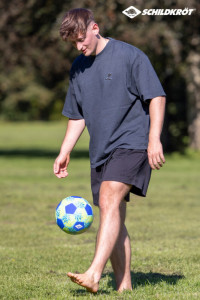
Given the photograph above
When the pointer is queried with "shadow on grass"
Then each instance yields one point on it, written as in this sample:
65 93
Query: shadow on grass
34 153
138 279
83 292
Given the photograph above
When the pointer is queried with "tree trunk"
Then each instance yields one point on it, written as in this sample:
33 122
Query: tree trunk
193 88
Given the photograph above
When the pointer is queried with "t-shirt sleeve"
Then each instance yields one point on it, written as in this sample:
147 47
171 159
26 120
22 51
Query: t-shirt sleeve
144 80
71 108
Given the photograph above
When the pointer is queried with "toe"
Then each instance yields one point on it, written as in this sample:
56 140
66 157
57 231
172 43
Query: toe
71 276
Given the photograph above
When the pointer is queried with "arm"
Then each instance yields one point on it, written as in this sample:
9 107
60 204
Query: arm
155 150
73 132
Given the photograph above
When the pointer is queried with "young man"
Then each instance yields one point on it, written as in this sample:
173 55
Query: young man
115 92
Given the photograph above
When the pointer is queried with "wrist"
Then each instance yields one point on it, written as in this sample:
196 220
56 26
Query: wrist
64 154
154 138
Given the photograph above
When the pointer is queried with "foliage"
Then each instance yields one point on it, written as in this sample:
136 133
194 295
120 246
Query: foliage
36 62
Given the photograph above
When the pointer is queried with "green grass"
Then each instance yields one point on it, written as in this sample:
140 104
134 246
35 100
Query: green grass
35 254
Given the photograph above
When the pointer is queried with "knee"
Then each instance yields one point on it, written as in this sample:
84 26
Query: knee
105 203
109 198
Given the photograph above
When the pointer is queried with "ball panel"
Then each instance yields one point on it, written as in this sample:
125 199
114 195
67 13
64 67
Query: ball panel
88 209
79 226
60 223
88 222
80 203
70 208
68 221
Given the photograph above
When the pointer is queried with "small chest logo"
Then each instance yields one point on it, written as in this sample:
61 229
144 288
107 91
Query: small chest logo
109 76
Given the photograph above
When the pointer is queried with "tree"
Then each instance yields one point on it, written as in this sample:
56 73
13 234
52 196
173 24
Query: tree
193 88
36 62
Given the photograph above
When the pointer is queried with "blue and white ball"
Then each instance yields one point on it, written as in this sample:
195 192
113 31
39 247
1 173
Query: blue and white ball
74 215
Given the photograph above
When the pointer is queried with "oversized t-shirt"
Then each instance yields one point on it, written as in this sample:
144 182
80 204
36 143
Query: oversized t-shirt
110 91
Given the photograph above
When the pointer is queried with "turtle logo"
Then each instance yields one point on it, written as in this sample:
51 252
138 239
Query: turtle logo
131 12
109 76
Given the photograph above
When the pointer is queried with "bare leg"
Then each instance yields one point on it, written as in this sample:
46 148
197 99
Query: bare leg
121 256
111 195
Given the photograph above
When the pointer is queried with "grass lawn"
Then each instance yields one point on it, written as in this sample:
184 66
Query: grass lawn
35 254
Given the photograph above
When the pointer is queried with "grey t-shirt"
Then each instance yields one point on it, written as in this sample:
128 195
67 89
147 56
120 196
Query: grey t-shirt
110 91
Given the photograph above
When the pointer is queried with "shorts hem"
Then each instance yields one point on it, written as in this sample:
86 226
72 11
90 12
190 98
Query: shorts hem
134 186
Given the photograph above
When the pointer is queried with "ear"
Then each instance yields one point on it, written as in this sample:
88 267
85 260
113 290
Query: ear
95 28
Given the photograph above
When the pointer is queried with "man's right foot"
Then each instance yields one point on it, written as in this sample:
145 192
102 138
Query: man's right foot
84 280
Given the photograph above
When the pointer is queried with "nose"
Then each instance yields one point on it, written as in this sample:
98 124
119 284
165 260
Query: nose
79 46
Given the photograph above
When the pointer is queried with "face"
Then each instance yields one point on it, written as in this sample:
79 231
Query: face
87 44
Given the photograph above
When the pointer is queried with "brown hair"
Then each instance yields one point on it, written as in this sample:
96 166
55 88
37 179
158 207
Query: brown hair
75 22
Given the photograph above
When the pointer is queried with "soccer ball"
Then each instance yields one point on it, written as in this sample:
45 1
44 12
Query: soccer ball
74 215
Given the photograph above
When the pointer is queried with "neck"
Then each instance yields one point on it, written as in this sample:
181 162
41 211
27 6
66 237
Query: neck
101 44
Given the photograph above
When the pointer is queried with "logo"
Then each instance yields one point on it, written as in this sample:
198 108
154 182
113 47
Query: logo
131 12
78 226
109 76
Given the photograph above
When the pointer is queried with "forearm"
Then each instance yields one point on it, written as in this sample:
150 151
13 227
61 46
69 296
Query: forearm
73 132
156 112
155 150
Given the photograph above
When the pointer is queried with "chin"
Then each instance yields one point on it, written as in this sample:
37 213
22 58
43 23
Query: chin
89 52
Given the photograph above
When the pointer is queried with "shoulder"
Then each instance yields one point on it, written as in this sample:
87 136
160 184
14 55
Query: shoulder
128 51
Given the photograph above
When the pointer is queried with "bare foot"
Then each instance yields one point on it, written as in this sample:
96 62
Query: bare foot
84 280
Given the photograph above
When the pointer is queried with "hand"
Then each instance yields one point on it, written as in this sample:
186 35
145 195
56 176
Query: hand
60 166
155 154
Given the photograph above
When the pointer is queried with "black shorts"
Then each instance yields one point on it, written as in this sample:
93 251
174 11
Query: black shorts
124 165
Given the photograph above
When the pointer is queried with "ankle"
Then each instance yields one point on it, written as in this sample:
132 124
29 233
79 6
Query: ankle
96 276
